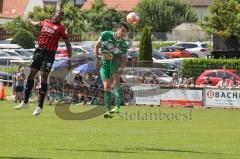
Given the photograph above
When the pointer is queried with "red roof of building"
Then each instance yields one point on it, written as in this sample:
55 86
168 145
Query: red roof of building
120 5
128 5
13 8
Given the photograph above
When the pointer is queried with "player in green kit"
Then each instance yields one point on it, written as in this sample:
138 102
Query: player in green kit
110 50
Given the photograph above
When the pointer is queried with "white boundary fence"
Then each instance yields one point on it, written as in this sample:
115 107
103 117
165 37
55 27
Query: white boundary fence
196 97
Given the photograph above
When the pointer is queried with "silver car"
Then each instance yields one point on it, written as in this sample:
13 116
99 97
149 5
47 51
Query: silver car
135 75
196 49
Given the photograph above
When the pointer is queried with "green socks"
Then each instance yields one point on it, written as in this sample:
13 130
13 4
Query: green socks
107 99
118 96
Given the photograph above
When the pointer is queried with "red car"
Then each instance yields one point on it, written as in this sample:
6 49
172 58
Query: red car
175 52
61 54
216 75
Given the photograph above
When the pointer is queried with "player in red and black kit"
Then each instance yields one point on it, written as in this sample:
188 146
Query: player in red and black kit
52 31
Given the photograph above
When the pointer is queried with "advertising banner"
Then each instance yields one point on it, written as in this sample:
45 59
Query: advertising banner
181 97
147 94
222 97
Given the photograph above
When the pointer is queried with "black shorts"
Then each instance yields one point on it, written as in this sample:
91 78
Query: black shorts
19 88
43 60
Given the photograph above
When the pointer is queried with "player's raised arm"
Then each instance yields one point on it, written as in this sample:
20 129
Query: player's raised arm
30 21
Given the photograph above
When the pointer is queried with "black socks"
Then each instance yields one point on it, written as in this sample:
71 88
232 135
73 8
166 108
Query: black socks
28 90
42 94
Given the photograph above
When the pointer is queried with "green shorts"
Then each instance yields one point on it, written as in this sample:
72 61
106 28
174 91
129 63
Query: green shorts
108 67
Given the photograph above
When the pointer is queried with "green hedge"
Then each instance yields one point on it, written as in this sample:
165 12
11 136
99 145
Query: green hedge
162 44
24 38
194 67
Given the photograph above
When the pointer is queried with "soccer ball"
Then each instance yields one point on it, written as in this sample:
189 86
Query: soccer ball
132 18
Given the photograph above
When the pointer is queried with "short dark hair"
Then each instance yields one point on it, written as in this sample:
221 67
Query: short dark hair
58 12
123 24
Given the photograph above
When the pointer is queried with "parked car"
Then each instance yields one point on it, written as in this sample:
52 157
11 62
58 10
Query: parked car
79 50
5 58
167 67
14 54
3 54
24 53
216 75
61 54
196 49
31 50
158 55
132 54
176 61
82 50
175 51
7 77
134 75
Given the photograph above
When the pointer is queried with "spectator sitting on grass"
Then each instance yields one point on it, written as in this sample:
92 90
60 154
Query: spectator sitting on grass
60 94
83 93
78 77
98 81
53 93
75 91
93 94
100 96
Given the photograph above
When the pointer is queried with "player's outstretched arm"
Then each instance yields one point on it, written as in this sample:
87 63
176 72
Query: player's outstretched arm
30 21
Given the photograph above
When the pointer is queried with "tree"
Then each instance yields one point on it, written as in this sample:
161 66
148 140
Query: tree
38 14
73 19
16 24
224 19
100 18
223 24
145 46
24 38
163 15
97 19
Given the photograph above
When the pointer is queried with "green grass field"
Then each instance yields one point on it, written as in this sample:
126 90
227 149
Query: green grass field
203 134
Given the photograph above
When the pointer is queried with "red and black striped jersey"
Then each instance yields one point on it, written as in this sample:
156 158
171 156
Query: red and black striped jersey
50 35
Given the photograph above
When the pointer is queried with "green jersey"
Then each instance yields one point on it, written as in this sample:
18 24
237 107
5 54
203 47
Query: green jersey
111 45
114 47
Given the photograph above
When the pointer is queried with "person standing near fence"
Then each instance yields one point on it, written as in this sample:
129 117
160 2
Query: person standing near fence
20 78
51 32
113 51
